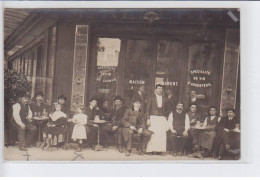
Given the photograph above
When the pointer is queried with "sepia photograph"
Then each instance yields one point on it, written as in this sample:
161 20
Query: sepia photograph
122 84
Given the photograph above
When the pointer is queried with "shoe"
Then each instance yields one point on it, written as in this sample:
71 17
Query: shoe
199 155
227 147
120 149
23 149
78 150
127 153
43 145
161 153
220 158
196 148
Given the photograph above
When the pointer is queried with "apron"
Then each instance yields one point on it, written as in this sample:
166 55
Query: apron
159 127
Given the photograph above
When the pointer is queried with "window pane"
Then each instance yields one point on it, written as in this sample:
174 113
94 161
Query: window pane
168 67
108 50
137 66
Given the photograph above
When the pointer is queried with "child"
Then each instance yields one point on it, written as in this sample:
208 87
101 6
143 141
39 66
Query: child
54 127
79 131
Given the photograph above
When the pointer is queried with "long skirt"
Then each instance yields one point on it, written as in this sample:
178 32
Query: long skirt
79 132
206 139
159 127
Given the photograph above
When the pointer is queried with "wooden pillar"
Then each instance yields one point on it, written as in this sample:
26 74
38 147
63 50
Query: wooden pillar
230 71
79 66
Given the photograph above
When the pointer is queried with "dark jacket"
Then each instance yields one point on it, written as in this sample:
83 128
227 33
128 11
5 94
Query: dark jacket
152 107
116 116
230 124
134 118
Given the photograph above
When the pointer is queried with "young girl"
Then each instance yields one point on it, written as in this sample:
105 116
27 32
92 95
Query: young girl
79 131
54 127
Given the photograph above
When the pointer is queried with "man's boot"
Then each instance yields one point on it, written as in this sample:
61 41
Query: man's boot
127 153
120 148
23 149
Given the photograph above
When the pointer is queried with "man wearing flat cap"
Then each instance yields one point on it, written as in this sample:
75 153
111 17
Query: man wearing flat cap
21 120
231 133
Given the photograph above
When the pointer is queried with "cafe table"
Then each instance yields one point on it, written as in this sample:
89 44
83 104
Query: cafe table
40 120
98 147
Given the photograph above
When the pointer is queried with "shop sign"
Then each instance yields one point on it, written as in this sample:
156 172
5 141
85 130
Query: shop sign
200 78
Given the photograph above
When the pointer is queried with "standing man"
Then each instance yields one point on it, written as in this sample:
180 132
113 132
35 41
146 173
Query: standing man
141 95
21 120
179 126
134 125
156 120
170 102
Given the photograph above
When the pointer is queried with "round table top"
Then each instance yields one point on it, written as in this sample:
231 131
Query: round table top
199 127
41 118
99 121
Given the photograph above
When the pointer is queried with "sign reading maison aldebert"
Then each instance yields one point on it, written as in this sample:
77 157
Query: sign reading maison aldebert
200 78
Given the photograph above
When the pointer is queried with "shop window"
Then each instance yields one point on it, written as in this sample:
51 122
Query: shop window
39 72
168 67
108 50
138 66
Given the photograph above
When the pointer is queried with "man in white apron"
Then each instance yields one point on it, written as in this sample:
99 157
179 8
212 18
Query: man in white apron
156 120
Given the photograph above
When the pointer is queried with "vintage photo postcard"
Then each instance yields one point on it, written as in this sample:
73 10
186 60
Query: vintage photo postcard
125 84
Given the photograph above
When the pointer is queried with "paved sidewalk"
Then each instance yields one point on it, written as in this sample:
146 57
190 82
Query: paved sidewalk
12 153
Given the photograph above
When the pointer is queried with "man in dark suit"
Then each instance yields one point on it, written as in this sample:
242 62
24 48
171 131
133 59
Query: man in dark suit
39 108
231 135
91 112
135 128
156 120
115 122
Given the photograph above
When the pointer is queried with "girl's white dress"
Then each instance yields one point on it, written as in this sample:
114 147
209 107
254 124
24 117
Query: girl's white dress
79 130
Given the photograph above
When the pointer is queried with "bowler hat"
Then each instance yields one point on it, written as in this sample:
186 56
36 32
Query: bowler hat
118 98
136 99
26 95
62 97
39 93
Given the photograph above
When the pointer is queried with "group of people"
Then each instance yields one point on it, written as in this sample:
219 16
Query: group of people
154 124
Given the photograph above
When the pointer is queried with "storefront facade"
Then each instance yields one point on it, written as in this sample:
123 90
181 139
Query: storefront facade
85 53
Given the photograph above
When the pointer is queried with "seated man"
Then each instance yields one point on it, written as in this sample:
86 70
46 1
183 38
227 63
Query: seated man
21 120
134 124
204 138
231 135
115 122
178 133
39 108
91 112
193 117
